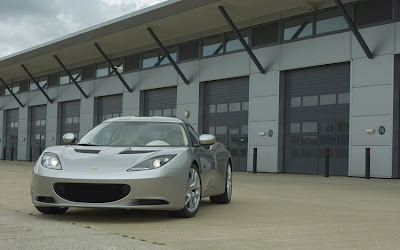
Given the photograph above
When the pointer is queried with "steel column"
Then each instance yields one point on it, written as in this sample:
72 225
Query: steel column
164 50
113 67
241 39
71 77
37 84
9 90
354 29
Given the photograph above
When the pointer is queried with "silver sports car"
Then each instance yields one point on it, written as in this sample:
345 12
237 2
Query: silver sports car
155 163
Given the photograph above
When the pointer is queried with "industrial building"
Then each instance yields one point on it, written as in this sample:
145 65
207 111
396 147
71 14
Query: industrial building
290 78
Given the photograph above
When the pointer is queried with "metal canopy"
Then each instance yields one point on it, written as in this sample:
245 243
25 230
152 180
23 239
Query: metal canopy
354 29
112 67
71 77
166 53
37 84
241 39
12 93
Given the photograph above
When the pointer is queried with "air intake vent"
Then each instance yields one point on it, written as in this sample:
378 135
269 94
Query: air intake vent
131 152
87 151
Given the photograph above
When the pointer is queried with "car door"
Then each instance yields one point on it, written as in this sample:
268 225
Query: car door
207 162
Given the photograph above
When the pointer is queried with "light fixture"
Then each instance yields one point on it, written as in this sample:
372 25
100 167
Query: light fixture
186 114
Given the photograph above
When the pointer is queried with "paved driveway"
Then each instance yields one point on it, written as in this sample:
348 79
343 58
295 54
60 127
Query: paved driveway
267 211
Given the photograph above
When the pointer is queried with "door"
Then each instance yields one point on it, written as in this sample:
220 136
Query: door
108 107
226 105
160 102
12 125
37 131
69 121
317 114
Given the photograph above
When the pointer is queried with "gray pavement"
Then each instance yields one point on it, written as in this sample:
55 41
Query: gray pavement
268 211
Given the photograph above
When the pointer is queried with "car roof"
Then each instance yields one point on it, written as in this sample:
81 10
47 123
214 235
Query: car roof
145 119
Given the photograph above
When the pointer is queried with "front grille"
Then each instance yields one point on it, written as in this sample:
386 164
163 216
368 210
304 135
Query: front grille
91 193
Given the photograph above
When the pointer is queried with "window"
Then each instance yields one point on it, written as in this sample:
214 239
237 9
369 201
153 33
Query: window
77 74
233 43
295 102
344 98
2 90
15 87
53 80
309 127
193 135
310 101
266 34
64 78
118 65
6 92
132 62
173 52
189 51
150 59
24 85
328 99
42 83
298 28
213 46
372 12
102 69
88 72
329 21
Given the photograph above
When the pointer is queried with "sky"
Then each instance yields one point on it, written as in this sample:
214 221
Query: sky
26 23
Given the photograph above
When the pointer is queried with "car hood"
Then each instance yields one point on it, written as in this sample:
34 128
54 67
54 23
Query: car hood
87 158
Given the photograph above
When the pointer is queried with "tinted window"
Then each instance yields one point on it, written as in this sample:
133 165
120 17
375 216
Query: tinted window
132 63
213 46
193 135
77 74
266 34
101 70
298 28
64 78
1 90
53 80
189 51
150 59
233 43
88 72
24 85
372 12
329 21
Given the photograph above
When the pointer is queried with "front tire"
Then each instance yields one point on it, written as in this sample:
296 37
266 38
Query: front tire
226 197
192 197
52 210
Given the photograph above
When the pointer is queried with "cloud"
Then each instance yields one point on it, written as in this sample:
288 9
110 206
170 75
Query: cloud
26 23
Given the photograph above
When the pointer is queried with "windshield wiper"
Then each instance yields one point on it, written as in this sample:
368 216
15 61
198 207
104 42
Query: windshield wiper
85 144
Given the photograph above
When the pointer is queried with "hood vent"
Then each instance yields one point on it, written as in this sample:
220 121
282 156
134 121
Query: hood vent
87 151
131 152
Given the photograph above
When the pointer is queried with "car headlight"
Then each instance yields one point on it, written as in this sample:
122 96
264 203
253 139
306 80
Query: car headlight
51 161
153 163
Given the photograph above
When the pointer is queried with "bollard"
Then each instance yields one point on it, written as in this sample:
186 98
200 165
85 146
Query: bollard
30 154
367 163
12 153
326 162
254 160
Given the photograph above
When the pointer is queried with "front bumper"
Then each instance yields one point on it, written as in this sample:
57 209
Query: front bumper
146 188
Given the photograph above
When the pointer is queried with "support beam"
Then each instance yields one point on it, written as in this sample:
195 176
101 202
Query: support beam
354 28
12 93
37 84
113 68
241 39
165 52
71 77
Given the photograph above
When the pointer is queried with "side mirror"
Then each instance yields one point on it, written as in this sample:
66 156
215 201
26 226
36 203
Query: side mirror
69 138
207 140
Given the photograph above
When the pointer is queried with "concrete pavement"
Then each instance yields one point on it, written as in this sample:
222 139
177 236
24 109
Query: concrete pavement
267 212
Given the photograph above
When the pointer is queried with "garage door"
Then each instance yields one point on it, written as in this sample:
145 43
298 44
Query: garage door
11 143
317 117
226 105
37 131
108 107
70 112
160 102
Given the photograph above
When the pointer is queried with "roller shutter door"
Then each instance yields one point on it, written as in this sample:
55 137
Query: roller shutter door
12 125
108 107
70 123
226 105
160 102
37 131
317 117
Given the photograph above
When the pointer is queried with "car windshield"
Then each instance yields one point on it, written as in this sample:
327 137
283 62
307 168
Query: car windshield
136 134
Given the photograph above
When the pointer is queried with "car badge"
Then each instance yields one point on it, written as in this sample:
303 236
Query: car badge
93 169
